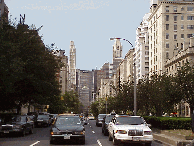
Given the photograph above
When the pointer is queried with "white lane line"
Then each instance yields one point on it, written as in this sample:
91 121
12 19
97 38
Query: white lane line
34 143
93 131
99 142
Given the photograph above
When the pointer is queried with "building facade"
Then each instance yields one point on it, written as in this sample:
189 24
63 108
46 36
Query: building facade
171 24
72 66
3 11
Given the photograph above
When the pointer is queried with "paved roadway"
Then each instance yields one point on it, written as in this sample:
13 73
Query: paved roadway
40 137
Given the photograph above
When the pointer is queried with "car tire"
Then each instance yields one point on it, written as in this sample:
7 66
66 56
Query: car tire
115 141
31 130
148 144
51 142
23 133
109 137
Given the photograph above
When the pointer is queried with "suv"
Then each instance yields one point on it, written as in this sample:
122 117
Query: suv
132 129
99 119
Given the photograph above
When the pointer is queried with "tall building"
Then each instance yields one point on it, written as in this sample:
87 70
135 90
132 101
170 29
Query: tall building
63 74
3 11
85 88
171 24
117 56
72 66
142 49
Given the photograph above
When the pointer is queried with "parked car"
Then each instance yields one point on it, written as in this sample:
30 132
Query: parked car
132 129
91 117
99 119
106 120
16 124
43 120
67 128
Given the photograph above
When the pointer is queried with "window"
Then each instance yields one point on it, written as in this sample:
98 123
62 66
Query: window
146 52
175 18
167 45
182 35
146 68
182 17
174 9
182 26
146 58
190 18
167 26
146 63
190 8
167 9
190 26
181 45
189 35
175 26
167 36
167 55
175 36
182 8
167 17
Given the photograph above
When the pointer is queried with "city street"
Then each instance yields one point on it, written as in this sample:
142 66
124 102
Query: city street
40 137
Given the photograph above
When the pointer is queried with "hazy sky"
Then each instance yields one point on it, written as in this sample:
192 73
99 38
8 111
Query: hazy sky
89 23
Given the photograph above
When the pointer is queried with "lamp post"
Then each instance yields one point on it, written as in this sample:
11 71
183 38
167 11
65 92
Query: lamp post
135 100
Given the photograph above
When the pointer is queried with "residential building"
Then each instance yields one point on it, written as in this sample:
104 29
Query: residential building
171 24
142 49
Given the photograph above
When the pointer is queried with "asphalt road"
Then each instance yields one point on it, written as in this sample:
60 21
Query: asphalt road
40 137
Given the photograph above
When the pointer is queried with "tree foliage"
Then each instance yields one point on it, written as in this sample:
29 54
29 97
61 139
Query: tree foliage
27 68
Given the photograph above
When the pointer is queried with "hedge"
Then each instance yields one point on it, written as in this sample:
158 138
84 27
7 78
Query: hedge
169 122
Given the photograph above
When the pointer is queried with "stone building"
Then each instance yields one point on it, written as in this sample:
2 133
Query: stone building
171 24
3 11
72 66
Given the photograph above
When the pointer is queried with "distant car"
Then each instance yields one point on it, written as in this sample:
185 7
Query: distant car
90 117
43 120
67 128
106 120
99 119
16 124
132 129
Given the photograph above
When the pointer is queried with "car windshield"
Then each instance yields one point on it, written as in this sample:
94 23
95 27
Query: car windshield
129 121
108 119
101 116
43 116
11 119
68 121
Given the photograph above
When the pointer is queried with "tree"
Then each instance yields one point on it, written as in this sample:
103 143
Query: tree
27 68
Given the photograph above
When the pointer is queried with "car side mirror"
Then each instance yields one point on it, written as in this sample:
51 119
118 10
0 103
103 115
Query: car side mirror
149 125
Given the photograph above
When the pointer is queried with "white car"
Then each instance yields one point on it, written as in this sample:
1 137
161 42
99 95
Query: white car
132 129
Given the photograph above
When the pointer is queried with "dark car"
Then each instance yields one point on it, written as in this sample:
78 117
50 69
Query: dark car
67 128
16 124
99 119
105 123
43 120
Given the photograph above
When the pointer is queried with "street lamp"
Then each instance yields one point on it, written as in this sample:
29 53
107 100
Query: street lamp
135 100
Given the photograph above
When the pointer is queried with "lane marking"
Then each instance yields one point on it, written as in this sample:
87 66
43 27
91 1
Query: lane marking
99 142
35 143
93 131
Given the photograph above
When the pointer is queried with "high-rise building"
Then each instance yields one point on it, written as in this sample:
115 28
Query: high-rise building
171 24
85 88
142 49
72 66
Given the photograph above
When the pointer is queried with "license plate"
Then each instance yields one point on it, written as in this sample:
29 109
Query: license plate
66 137
136 138
6 131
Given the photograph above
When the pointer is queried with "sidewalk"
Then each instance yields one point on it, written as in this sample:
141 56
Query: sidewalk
173 137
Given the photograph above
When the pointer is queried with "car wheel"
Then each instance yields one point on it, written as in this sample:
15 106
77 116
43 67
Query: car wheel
31 130
51 142
148 144
109 137
115 142
23 132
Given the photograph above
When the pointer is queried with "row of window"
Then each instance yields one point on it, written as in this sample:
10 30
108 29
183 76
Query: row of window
175 8
175 36
189 17
182 26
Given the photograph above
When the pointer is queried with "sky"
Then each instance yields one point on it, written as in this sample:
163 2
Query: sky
89 23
